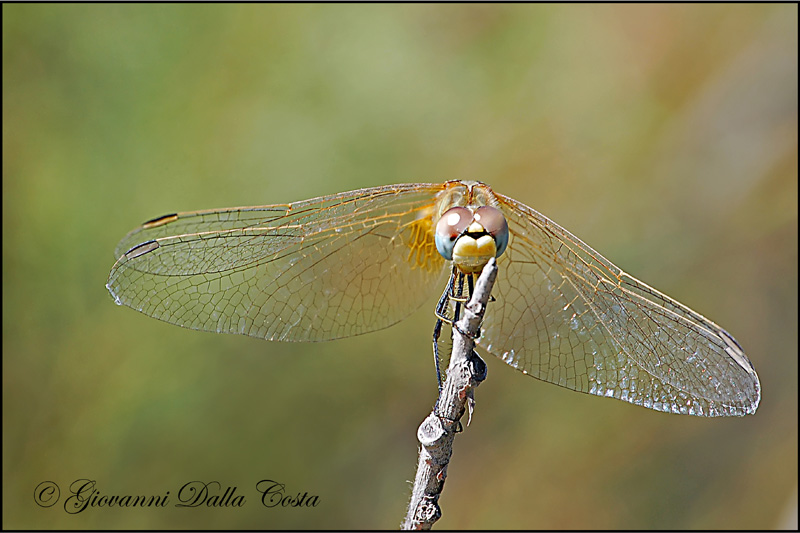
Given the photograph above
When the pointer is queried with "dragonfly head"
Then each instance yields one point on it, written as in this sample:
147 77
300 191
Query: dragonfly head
470 237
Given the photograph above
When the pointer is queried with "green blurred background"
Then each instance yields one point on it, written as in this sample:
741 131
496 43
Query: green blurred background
665 136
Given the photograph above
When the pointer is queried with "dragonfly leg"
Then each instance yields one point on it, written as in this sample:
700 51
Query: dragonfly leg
437 330
441 317
470 288
450 294
441 307
459 298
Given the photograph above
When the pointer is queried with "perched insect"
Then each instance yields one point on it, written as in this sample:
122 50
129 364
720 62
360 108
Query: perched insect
359 261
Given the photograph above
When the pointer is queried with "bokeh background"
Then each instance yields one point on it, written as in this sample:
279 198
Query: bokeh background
665 136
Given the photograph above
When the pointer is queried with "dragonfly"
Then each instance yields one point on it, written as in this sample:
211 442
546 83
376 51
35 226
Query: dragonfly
359 261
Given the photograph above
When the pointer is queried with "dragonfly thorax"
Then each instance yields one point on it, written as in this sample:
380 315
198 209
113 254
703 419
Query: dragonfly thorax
470 238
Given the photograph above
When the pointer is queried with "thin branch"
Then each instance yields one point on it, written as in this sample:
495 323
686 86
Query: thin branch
437 431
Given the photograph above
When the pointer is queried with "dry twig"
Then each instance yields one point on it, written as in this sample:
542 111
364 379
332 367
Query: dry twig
436 433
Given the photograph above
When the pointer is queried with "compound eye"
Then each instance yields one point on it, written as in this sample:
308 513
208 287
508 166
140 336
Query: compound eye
451 226
495 225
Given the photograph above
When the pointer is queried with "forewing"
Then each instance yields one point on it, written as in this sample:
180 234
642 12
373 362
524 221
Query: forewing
319 269
566 315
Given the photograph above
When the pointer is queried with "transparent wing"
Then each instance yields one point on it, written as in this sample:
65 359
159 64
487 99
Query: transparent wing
319 269
566 315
